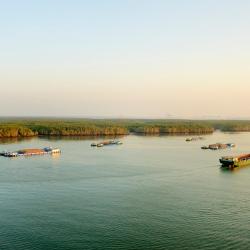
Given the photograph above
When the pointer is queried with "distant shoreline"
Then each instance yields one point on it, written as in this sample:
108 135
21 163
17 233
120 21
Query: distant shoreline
10 128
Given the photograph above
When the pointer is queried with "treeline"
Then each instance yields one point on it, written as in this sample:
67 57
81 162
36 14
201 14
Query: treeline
9 130
86 127
172 128
232 126
59 128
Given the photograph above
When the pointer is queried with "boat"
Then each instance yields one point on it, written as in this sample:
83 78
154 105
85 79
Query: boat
235 161
214 146
118 143
194 138
219 145
11 154
3 153
105 143
31 151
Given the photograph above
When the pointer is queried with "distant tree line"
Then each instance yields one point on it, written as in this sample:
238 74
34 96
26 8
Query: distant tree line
86 127
25 129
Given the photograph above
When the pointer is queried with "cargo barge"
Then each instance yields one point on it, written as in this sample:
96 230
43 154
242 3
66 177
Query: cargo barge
106 143
232 162
217 146
31 152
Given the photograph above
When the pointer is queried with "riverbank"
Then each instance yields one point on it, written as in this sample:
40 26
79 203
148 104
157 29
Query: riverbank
12 128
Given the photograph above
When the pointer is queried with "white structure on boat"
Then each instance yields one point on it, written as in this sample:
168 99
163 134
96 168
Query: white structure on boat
55 151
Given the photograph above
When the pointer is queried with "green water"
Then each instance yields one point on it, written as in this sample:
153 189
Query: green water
149 193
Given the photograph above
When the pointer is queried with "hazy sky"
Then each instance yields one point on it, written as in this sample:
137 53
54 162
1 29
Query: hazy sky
125 58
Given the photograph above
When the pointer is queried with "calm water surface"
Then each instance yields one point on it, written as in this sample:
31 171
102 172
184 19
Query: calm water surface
149 193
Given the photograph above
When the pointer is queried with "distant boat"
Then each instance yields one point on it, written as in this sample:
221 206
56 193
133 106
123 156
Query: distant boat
214 146
235 161
3 153
105 143
32 151
218 145
194 138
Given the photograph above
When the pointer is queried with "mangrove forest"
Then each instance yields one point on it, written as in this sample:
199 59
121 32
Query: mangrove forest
10 128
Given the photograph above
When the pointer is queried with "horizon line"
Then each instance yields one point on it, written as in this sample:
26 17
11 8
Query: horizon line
125 118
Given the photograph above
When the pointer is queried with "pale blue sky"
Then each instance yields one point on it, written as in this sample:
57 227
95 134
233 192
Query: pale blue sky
137 58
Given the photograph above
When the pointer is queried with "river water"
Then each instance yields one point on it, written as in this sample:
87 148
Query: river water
152 192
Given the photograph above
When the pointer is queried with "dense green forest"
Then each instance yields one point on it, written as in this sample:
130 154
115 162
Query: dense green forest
98 127
27 128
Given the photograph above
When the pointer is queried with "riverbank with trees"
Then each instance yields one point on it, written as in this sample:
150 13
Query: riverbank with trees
10 128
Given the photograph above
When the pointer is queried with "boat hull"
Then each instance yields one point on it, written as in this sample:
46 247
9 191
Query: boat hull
232 164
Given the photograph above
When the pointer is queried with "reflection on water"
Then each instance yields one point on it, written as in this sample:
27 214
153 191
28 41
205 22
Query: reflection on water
11 140
171 134
79 138
233 170
55 156
227 170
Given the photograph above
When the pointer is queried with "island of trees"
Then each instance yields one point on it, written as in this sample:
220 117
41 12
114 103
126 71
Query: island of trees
99 127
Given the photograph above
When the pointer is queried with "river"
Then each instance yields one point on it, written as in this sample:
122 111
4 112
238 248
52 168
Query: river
152 192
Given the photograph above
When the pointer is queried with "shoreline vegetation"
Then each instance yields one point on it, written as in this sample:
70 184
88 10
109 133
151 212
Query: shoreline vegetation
14 128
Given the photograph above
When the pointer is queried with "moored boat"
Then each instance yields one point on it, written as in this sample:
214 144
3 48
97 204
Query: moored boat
194 138
214 146
218 145
235 161
31 152
105 143
3 153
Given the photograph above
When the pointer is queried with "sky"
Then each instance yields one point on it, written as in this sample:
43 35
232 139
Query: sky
125 59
